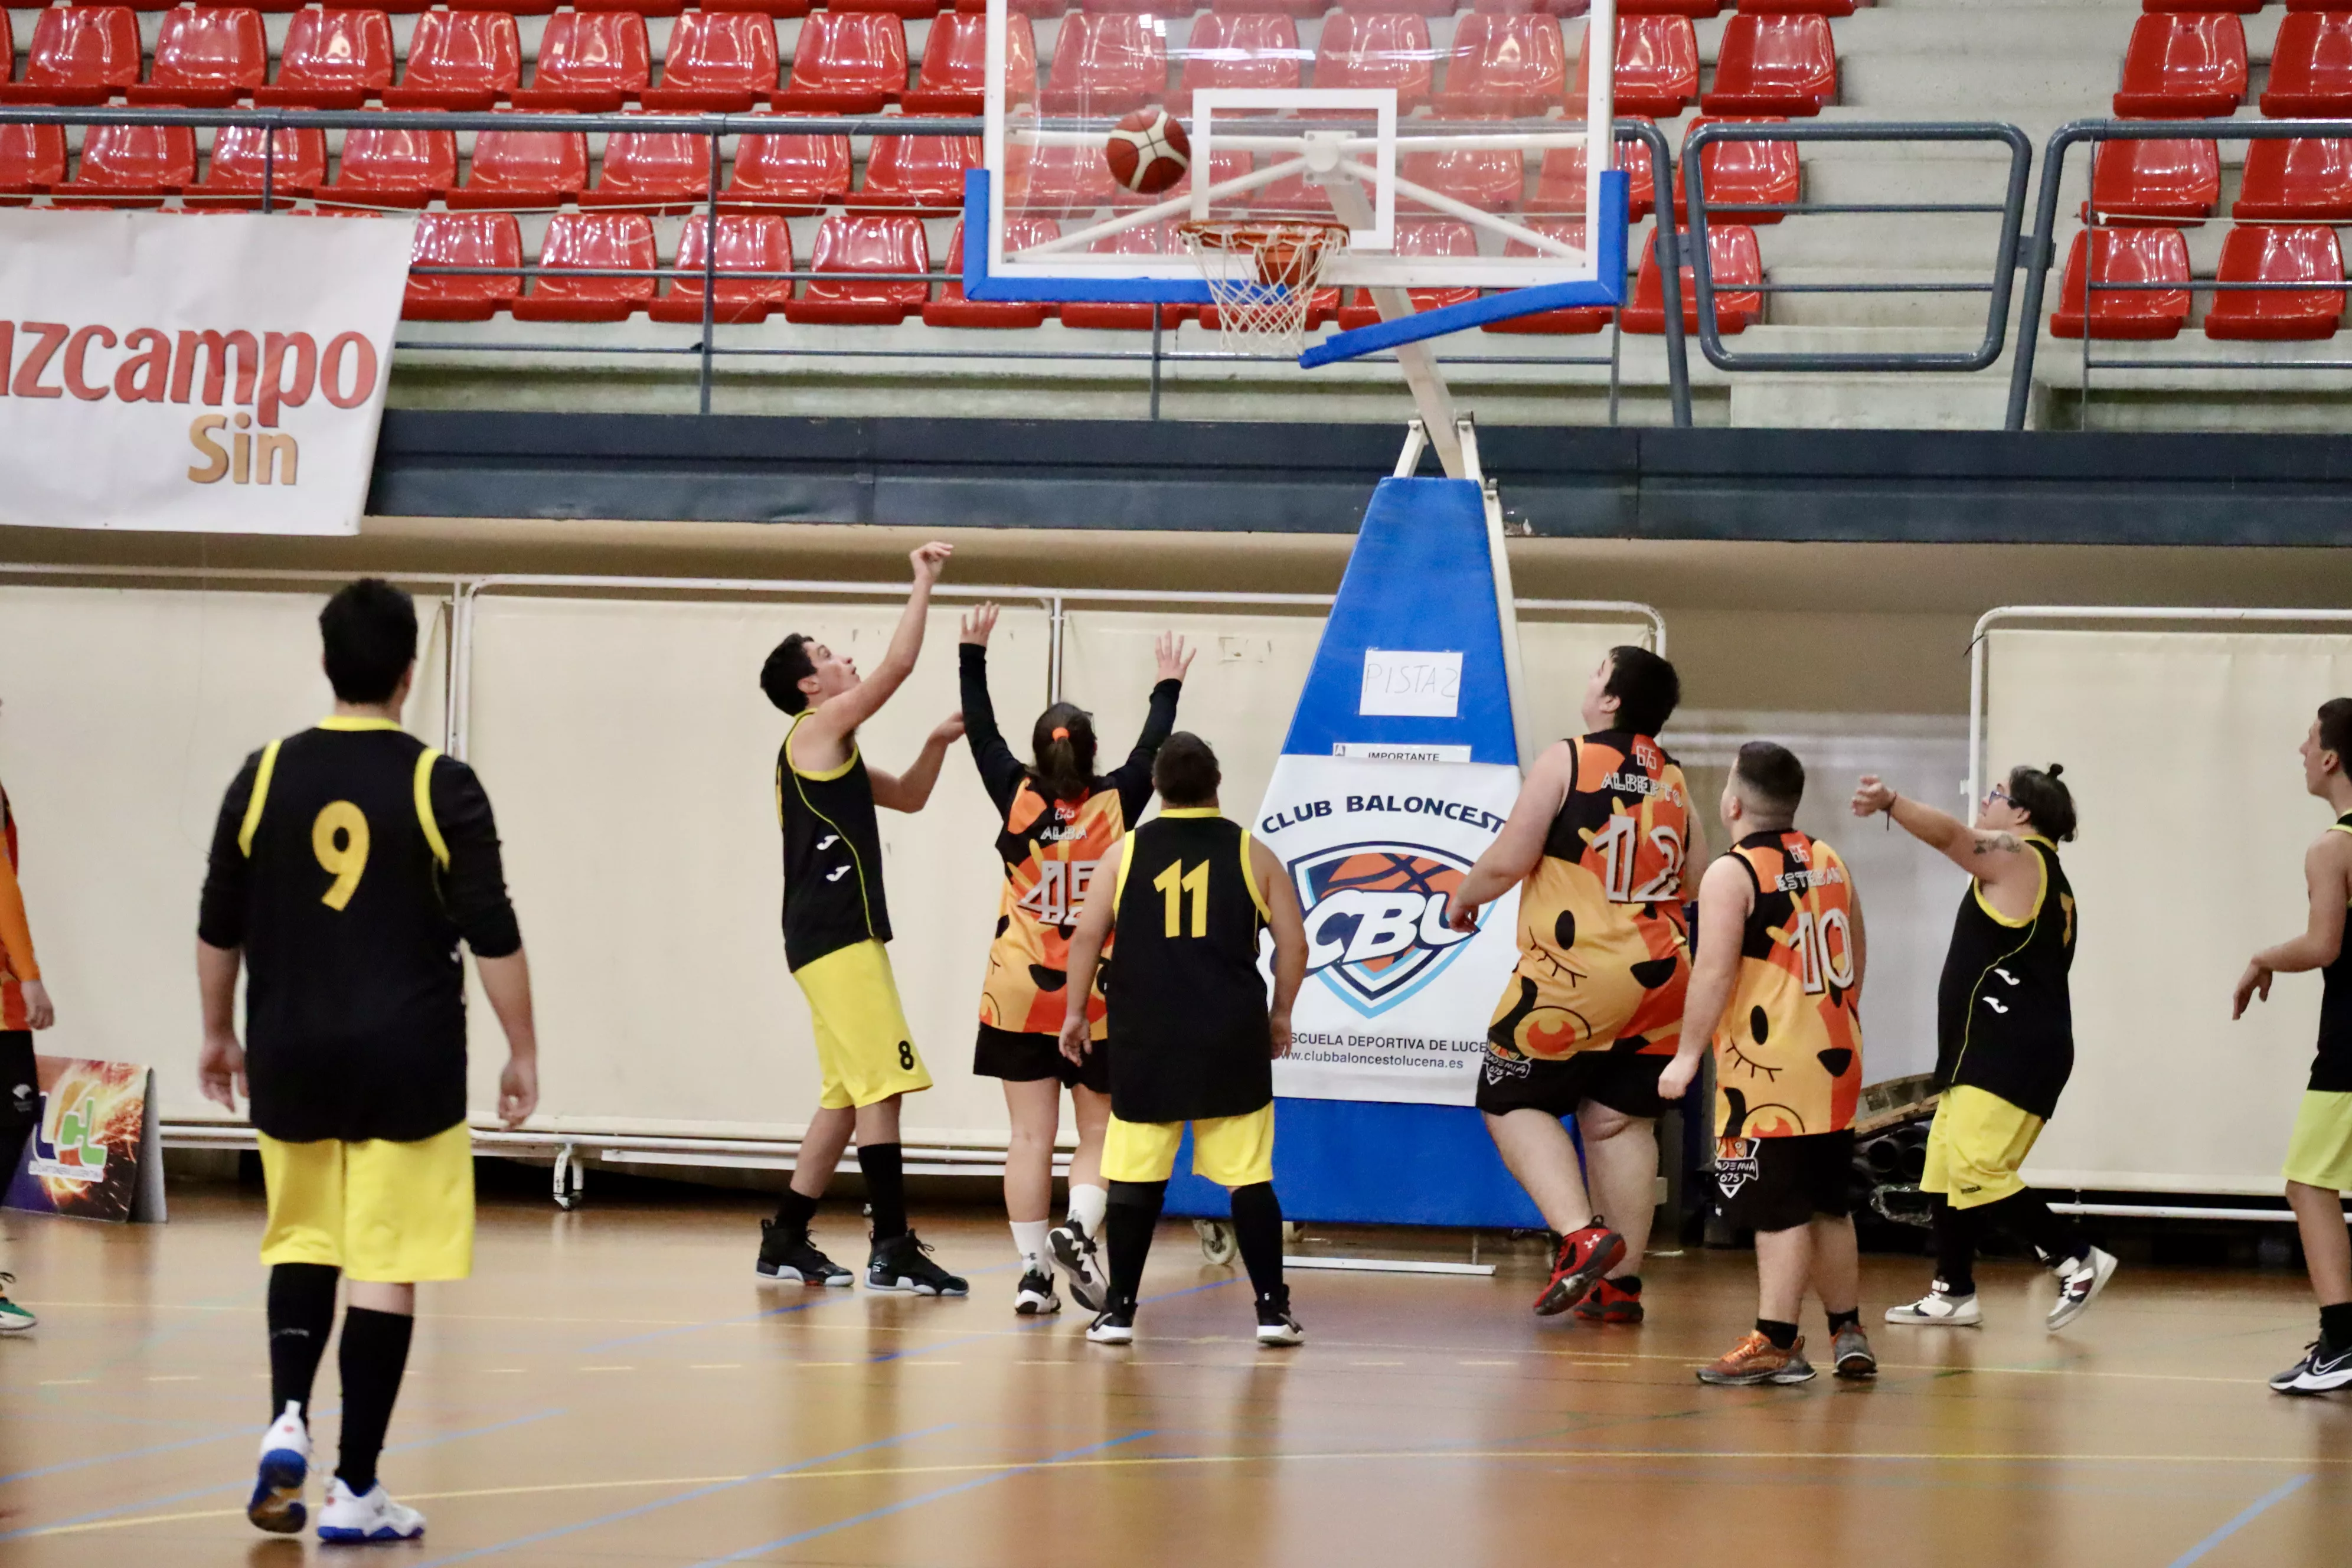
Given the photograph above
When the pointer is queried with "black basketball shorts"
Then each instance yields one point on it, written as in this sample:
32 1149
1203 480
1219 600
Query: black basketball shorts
1024 1058
1625 1081
1780 1183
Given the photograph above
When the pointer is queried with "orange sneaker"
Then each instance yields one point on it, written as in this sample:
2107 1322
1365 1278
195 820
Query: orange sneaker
1584 1256
1611 1302
1756 1360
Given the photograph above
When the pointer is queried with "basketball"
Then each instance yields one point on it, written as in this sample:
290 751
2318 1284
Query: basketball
1148 152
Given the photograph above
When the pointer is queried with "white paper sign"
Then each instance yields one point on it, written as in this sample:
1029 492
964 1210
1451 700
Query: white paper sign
223 374
1405 685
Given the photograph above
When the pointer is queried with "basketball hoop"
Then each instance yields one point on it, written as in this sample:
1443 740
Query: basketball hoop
1262 276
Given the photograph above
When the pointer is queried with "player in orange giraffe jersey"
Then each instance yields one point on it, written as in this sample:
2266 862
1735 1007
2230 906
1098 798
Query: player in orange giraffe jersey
24 1007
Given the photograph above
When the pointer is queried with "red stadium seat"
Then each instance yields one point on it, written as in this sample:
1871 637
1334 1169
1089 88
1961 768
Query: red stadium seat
2278 253
2311 68
2243 7
1106 66
206 57
652 171
523 169
917 173
779 8
297 165
1120 316
1743 173
748 242
1560 178
32 162
2183 67
1801 8
1401 7
459 59
847 62
463 240
906 10
723 60
2126 256
130 165
385 167
1389 49
1059 180
1293 197
1569 321
585 240
511 7
1657 68
1699 10
591 62
1224 166
1774 65
396 7
1448 238
1503 65
332 59
864 242
79 54
2309 178
1292 8
1492 180
954 77
796 176
952 309
1732 262
2158 182
642 7
1260 49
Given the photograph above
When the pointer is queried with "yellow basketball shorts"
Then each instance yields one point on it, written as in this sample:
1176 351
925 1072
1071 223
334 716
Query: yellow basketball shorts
864 1051
2319 1150
385 1213
1975 1146
1231 1151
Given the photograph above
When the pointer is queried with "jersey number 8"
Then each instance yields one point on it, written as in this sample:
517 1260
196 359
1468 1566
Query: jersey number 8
346 860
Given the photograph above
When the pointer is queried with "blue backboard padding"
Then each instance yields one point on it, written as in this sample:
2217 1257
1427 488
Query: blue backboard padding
1607 288
1367 1162
1419 579
978 283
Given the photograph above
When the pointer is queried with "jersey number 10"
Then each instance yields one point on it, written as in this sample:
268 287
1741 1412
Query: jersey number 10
1824 949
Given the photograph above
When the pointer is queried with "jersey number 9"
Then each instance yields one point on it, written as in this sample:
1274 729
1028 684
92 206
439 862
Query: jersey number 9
339 819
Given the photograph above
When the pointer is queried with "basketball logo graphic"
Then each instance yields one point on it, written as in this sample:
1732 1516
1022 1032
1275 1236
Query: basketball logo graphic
1148 152
1376 929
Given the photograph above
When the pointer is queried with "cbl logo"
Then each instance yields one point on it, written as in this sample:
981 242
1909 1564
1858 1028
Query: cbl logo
1376 928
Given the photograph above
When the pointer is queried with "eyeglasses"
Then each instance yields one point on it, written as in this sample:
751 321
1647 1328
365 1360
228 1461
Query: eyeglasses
1999 794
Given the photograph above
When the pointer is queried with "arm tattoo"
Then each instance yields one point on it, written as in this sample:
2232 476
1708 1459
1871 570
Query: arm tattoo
1989 843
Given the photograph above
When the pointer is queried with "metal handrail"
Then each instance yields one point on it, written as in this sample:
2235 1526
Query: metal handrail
2012 210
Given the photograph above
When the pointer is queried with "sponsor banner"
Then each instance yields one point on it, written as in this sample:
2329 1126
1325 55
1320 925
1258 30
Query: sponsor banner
95 1151
1395 1004
223 374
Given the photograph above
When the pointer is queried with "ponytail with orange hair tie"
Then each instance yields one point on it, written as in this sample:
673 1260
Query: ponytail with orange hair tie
1060 734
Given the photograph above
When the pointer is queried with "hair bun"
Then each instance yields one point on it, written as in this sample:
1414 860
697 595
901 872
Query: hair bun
2054 769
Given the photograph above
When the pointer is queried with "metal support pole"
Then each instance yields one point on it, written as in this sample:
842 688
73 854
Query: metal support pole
1427 383
1157 307
711 271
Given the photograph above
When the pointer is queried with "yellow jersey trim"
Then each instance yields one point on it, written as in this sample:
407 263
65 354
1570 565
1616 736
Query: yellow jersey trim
440 845
2040 893
865 897
252 823
1125 860
1249 880
349 724
1191 811
799 772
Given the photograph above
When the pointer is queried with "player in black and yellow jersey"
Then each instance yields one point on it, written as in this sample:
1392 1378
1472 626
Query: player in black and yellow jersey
349 862
1776 986
2004 1037
1593 1012
1192 1037
835 924
1058 818
2319 1150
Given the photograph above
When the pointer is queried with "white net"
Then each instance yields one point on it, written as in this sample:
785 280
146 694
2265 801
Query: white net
1261 278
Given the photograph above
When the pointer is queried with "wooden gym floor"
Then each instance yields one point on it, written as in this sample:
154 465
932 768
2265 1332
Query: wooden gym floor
613 1386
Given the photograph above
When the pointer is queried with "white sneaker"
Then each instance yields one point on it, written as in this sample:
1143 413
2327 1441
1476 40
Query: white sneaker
1034 1295
1939 1309
1080 1259
2079 1285
374 1517
277 1506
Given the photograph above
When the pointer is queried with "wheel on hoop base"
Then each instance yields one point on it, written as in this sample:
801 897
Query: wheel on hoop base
1218 1243
570 1180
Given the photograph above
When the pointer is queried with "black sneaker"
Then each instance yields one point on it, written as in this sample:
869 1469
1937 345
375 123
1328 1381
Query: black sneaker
1075 1251
1275 1326
1114 1327
2322 1370
789 1257
1036 1297
904 1263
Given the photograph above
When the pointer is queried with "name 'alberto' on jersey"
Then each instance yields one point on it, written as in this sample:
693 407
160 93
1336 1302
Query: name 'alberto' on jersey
1603 954
1788 1055
832 857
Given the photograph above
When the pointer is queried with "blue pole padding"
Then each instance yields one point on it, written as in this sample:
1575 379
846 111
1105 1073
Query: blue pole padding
1368 1162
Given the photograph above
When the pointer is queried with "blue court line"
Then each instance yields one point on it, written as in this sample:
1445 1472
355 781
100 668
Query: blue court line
1034 1324
832 1296
221 1436
2252 1511
782 1542
236 1487
560 1530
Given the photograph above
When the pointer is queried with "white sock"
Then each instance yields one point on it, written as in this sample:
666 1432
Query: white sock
1087 1206
1029 1235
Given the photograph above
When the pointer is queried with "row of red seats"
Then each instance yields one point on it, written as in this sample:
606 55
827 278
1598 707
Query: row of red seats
917 10
2194 65
666 171
857 62
2250 253
2180 182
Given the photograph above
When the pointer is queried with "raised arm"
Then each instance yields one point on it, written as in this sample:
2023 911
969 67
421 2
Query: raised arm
1289 923
1086 951
1132 778
911 790
1519 848
2327 883
1727 896
1000 770
830 727
1999 860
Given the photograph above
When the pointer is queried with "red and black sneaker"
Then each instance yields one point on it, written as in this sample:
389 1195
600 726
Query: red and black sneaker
1584 1256
1611 1302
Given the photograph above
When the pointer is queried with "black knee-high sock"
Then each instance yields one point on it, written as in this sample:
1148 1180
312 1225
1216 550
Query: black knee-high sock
2026 1215
1257 1226
373 1356
302 1316
795 1211
1127 1225
1956 1247
885 1165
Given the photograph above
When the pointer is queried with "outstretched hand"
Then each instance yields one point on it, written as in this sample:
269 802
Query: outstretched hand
979 624
949 731
930 561
1871 796
1175 658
